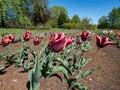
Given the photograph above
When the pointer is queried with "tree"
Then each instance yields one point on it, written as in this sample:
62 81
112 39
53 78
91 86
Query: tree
20 13
3 8
62 19
12 13
112 21
103 23
85 23
41 12
75 19
114 18
55 12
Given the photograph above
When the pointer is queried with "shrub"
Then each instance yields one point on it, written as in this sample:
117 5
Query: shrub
69 26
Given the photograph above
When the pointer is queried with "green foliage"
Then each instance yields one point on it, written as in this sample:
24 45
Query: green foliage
69 26
53 22
25 52
35 75
40 12
62 19
55 12
88 72
13 14
16 13
75 19
7 56
103 23
114 17
1 58
85 24
111 21
47 63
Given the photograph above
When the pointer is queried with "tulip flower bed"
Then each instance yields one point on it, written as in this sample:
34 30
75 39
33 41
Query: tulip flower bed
66 60
114 36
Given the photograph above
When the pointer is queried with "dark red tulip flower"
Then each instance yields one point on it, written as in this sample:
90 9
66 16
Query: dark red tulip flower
102 41
79 41
11 37
116 32
118 37
85 35
37 40
27 35
59 42
108 32
5 41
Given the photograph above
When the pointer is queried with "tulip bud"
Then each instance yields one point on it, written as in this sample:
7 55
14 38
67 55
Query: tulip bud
12 38
5 41
27 35
79 41
116 32
37 40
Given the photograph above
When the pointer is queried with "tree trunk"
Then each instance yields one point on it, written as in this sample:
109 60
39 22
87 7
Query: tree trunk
2 21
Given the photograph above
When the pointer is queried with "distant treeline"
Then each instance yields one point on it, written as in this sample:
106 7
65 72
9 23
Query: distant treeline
36 13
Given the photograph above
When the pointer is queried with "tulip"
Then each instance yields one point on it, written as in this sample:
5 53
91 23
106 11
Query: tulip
59 42
109 33
116 32
37 40
79 41
102 41
85 35
11 37
105 31
118 37
27 35
28 32
5 41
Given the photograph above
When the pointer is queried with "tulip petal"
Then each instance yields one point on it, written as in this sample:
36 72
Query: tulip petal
87 35
99 40
59 42
69 41
11 37
5 41
61 35
58 46
108 43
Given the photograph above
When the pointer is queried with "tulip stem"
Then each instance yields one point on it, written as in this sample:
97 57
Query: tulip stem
93 59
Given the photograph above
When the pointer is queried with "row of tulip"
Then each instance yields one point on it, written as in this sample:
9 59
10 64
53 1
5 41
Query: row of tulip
114 36
26 36
61 54
101 40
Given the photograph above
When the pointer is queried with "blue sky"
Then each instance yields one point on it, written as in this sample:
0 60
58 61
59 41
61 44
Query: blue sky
93 9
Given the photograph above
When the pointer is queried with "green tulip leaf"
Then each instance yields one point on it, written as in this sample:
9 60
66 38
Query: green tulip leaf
57 69
78 86
89 72
1 68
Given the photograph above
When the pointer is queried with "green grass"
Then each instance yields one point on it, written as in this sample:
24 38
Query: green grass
11 31
19 31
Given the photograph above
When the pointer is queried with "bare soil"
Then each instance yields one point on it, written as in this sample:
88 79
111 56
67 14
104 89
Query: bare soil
107 78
